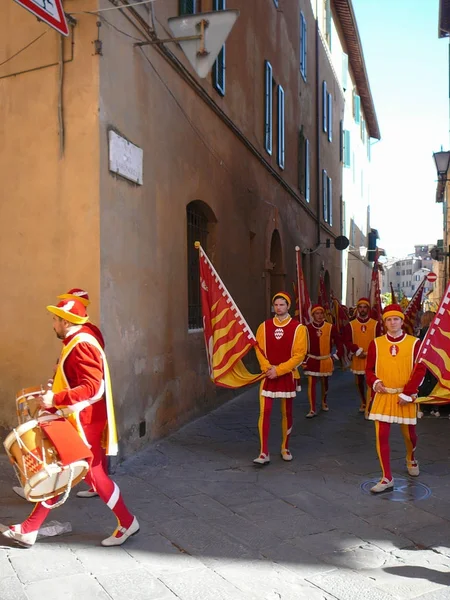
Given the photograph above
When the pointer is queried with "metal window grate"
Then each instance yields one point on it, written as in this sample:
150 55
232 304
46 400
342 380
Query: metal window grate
197 230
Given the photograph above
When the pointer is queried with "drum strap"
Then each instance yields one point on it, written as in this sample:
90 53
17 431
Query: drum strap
79 406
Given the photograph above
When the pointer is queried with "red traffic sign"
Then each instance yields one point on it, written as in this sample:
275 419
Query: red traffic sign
431 277
49 11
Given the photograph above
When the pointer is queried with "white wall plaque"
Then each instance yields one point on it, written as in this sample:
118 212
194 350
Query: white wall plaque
125 158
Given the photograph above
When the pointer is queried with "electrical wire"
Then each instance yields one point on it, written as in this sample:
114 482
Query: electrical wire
119 30
195 129
95 12
22 49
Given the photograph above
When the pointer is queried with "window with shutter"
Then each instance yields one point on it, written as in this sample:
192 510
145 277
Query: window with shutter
330 117
324 195
268 104
276 3
347 150
281 139
307 173
218 70
187 7
324 106
330 201
301 162
327 12
356 108
344 71
303 45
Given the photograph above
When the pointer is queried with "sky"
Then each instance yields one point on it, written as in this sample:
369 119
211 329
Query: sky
408 70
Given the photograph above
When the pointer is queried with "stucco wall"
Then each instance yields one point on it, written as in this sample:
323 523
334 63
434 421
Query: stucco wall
49 216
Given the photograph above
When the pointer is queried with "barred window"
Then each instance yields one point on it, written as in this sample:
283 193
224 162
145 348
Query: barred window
197 231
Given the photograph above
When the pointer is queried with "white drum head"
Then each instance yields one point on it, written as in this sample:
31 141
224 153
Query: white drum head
53 481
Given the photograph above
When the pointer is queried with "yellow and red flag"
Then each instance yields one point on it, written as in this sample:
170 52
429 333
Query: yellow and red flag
375 293
323 298
228 338
435 352
340 314
302 299
413 308
394 298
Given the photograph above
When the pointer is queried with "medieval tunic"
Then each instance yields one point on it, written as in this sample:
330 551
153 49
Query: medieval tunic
358 334
391 361
320 340
284 347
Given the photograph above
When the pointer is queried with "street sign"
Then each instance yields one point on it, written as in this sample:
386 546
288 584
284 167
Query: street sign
431 277
49 11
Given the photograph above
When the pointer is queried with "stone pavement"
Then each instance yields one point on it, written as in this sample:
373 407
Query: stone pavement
214 527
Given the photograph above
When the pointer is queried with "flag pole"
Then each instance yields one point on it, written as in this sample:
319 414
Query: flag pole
299 286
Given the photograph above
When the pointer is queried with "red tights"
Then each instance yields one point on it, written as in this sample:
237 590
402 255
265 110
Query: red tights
97 478
382 431
312 380
265 410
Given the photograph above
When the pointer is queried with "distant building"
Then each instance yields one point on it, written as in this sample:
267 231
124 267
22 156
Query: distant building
406 274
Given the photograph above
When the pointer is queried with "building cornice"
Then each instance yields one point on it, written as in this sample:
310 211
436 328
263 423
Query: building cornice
346 15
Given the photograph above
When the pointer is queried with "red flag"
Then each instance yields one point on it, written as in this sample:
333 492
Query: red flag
394 299
228 338
435 352
375 293
303 301
323 295
340 314
413 308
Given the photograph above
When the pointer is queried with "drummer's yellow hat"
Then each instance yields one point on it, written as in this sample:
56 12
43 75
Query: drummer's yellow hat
76 294
70 310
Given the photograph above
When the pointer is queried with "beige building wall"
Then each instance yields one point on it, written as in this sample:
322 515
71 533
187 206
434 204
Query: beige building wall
49 212
68 221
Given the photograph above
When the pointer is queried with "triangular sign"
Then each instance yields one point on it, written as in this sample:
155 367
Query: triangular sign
217 26
49 11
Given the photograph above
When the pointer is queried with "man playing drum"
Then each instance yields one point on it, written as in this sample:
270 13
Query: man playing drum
82 391
83 297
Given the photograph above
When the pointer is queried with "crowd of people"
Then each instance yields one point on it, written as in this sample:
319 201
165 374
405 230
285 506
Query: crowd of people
388 379
386 376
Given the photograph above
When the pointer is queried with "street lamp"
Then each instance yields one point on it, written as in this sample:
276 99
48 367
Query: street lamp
442 160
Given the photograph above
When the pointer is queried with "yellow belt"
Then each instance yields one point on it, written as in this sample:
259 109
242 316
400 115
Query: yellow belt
393 390
319 357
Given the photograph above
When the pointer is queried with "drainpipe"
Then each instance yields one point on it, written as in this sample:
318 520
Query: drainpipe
318 131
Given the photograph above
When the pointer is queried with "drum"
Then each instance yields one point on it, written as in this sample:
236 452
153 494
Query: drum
27 404
49 457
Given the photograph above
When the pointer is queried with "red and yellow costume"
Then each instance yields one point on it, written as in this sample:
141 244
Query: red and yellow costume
319 363
390 362
357 336
282 344
82 392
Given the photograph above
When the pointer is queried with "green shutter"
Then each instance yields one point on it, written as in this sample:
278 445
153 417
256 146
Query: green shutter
187 7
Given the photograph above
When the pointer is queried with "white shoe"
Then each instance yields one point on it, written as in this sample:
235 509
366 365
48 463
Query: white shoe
437 413
87 494
262 459
19 491
311 414
24 540
121 534
286 455
419 414
383 486
413 468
